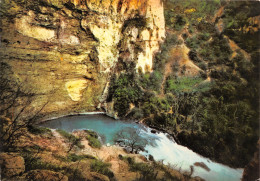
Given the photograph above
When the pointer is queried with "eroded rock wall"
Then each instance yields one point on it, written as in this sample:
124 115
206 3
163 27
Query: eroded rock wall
63 52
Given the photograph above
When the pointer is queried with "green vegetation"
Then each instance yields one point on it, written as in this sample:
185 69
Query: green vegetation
39 130
217 117
240 25
101 167
151 80
221 122
124 91
73 140
92 137
149 171
65 134
33 161
73 157
182 85
180 13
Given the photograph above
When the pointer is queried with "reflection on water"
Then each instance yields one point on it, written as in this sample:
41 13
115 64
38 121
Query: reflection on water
158 145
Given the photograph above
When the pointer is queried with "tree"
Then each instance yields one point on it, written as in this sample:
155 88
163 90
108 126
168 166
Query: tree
131 137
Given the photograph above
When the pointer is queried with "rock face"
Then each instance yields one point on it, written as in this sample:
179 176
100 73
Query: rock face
45 175
11 164
63 52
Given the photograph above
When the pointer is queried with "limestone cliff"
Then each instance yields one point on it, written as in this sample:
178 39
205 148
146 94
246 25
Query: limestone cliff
63 52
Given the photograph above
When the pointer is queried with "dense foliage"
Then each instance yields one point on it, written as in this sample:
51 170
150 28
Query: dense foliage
217 117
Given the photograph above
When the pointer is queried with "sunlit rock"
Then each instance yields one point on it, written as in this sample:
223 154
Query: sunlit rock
24 26
75 88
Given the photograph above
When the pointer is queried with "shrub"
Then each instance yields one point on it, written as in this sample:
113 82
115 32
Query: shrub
33 162
73 157
94 142
192 42
92 137
124 91
137 113
71 138
101 167
38 130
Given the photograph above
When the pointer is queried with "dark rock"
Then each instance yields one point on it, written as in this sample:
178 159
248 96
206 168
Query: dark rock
153 131
202 165
150 157
140 148
143 158
120 157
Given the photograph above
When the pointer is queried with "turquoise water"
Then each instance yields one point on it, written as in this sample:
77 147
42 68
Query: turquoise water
105 126
160 146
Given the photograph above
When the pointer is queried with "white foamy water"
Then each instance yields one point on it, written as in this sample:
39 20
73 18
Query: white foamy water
182 157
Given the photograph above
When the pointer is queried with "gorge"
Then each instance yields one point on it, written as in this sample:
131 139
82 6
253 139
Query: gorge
188 69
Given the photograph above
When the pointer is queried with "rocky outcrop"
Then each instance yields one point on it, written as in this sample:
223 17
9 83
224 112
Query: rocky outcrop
45 175
11 165
184 65
251 171
63 52
124 26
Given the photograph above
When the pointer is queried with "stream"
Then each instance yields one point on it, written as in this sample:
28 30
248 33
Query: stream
161 146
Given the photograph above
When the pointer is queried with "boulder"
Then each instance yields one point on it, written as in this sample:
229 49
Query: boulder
153 131
202 165
45 175
11 164
128 149
143 158
150 157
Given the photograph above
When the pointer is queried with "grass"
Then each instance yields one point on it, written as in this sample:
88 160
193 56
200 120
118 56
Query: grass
184 84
